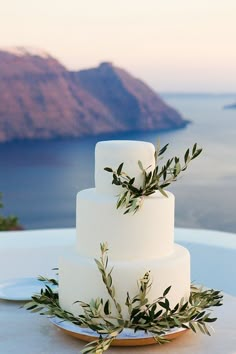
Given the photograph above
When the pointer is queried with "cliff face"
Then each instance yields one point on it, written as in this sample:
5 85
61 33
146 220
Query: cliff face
129 99
39 98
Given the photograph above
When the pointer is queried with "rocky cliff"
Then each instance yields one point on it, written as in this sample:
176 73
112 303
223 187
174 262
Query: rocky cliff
129 99
40 98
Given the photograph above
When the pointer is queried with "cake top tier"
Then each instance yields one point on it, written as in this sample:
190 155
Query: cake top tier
112 153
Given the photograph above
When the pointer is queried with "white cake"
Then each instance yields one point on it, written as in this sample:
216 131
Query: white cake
137 243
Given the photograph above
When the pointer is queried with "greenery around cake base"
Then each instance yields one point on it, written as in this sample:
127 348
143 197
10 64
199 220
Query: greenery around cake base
104 316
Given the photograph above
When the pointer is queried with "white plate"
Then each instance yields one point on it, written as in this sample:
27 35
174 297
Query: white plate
21 289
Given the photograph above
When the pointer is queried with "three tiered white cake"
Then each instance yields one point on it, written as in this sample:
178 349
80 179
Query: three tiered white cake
137 243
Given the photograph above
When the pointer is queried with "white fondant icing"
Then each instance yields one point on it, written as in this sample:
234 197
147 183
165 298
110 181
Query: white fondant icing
113 153
147 234
80 279
137 242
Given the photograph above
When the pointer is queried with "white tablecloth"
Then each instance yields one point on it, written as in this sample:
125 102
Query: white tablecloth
30 253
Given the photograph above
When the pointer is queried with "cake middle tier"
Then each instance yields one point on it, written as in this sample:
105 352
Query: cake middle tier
149 233
80 279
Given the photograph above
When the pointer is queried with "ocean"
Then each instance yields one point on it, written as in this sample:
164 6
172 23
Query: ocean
39 179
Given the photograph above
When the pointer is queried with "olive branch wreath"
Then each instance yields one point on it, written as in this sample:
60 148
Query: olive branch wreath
156 318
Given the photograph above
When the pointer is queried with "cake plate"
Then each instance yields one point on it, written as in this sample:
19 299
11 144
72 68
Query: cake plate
127 338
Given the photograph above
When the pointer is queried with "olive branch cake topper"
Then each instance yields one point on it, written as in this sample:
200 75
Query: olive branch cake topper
155 180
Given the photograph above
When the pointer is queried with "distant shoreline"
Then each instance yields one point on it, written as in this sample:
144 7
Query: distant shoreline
100 136
230 106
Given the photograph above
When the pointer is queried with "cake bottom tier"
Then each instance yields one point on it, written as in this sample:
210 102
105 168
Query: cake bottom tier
80 279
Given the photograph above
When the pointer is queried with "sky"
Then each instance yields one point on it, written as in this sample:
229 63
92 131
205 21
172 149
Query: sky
173 45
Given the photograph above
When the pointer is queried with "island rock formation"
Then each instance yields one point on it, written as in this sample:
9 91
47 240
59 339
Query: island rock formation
230 106
41 99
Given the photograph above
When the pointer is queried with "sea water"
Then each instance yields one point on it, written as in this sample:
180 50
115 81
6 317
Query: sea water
39 179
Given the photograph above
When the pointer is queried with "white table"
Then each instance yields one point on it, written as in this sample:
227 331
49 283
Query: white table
29 253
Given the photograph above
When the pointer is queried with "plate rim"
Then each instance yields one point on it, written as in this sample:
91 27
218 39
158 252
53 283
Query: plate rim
20 280
124 339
